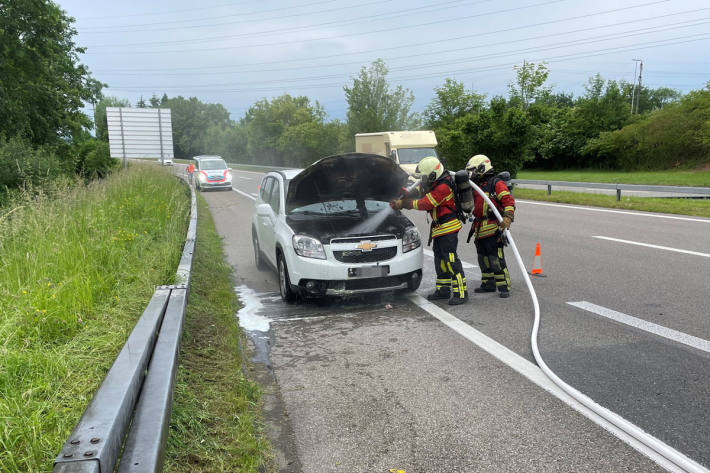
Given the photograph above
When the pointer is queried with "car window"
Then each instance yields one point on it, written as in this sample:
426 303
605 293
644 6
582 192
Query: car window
266 188
213 164
275 199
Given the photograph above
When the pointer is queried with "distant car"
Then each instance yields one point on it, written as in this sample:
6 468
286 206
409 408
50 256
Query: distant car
167 162
328 230
211 172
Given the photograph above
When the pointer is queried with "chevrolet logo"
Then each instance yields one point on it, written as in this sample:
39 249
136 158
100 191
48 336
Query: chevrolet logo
366 246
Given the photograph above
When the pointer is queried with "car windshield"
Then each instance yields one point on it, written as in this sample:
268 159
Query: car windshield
414 155
213 164
339 207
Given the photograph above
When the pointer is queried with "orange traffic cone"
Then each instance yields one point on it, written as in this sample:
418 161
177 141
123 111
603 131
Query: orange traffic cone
537 262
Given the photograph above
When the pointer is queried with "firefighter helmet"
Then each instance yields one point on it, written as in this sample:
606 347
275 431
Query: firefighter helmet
479 166
429 169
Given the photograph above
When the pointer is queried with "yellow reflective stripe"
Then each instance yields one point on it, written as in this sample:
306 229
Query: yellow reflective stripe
451 270
452 257
448 227
442 265
503 194
432 200
508 208
415 205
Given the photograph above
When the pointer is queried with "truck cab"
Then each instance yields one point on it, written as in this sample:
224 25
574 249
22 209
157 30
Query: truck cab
407 148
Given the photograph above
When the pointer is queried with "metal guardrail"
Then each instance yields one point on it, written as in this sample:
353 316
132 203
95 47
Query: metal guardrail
698 191
259 166
138 389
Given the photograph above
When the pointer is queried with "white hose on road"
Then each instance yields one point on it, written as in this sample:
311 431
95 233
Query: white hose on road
633 430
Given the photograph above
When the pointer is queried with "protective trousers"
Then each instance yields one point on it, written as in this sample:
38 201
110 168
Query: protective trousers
494 271
449 270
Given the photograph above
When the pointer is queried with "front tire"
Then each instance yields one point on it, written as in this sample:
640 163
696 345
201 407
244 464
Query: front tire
287 293
415 279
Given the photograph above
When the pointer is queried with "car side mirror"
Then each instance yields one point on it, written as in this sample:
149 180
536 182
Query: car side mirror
263 210
393 155
229 169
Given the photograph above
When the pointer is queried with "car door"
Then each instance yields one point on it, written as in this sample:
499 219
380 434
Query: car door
267 219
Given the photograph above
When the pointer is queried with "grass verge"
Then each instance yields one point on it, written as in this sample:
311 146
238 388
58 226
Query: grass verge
696 207
77 268
650 178
216 422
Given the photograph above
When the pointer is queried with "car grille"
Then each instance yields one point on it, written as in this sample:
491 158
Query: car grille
373 283
357 256
359 239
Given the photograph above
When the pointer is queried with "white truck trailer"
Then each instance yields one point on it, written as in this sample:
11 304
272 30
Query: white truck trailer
407 148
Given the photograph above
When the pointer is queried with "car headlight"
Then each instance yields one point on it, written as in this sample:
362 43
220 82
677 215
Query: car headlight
411 239
228 176
201 177
308 247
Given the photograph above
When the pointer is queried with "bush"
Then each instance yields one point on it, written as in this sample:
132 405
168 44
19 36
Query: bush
93 159
23 165
676 136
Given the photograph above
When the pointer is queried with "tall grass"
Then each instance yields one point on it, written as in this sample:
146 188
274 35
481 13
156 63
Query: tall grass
77 268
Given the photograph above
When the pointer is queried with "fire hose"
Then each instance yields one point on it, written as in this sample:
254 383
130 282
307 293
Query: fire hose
633 430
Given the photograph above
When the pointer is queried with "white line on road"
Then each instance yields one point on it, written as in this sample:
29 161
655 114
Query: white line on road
255 195
465 264
535 374
243 193
659 330
658 247
246 178
235 171
625 212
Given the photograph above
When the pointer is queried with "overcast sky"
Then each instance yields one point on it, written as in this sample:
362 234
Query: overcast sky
236 52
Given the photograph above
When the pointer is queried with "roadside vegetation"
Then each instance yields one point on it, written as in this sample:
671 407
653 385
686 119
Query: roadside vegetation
216 423
698 207
699 178
78 264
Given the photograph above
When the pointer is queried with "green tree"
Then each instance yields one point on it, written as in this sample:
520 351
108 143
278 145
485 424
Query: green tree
374 106
529 83
154 101
191 119
141 103
42 83
451 100
100 115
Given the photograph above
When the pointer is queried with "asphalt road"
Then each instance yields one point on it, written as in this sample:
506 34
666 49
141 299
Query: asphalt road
359 387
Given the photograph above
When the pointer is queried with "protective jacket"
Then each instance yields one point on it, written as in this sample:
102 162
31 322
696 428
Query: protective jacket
441 205
485 223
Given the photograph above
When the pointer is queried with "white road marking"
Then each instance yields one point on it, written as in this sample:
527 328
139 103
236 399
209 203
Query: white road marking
255 195
533 373
658 247
235 171
659 330
243 193
465 264
625 212
246 178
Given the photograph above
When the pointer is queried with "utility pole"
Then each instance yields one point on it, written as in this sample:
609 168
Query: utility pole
633 88
640 74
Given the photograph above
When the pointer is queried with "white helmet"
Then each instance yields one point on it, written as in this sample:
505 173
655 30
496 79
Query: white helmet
429 169
479 166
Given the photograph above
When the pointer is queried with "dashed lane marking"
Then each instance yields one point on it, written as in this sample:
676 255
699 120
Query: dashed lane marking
243 193
644 325
658 247
533 373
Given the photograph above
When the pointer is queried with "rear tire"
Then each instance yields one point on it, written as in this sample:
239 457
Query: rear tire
258 256
287 293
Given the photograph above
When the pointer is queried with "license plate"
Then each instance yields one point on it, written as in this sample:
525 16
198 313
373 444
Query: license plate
369 271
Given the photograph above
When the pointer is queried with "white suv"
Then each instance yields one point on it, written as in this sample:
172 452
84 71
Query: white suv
211 172
329 231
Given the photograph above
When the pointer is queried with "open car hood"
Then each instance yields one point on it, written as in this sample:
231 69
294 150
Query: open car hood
355 176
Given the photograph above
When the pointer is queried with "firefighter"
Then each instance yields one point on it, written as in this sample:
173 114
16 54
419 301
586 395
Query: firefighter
487 232
439 201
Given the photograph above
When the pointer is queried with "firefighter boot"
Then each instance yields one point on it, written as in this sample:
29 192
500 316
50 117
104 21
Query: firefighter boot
456 300
484 288
442 293
504 292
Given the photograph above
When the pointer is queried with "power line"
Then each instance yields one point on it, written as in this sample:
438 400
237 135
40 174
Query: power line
203 8
117 27
557 45
438 6
504 66
389 29
416 45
